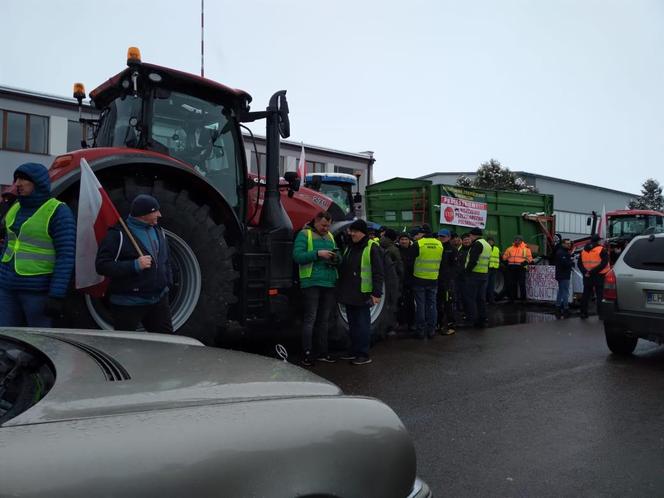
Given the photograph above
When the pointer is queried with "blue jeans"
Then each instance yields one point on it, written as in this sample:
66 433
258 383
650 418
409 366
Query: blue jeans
476 298
426 314
23 309
562 299
359 327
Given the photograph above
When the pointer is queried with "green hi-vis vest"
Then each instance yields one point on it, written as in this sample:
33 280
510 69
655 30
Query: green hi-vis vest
307 270
427 264
482 265
32 249
494 262
366 285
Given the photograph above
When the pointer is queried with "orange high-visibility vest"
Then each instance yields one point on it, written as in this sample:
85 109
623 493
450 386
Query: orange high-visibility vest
516 255
592 259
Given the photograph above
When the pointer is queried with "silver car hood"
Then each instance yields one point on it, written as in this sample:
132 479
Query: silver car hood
101 373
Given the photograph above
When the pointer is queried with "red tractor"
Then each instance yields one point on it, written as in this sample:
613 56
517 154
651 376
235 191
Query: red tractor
622 226
177 136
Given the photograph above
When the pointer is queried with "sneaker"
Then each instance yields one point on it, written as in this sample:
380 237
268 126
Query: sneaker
347 356
449 331
327 359
558 314
361 360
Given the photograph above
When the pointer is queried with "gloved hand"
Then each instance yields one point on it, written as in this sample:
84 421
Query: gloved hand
55 307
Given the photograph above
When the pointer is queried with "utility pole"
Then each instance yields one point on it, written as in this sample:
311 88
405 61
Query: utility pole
202 38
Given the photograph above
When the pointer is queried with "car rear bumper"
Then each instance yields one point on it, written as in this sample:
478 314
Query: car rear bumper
648 326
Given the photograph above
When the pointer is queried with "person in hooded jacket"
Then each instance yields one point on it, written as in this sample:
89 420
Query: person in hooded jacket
360 286
37 256
139 283
564 261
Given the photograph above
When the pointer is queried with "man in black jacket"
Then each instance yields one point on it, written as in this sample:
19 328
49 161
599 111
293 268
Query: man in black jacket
406 313
564 263
139 283
360 286
446 277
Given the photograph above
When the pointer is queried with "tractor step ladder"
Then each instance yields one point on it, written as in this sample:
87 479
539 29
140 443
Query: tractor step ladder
419 206
256 278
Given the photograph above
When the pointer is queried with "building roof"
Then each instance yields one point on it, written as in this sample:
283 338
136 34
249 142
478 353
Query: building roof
46 98
534 175
71 103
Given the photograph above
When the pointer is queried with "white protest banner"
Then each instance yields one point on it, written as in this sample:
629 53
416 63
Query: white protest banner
462 212
541 283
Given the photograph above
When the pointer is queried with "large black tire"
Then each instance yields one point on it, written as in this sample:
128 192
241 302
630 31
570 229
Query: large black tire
201 258
618 341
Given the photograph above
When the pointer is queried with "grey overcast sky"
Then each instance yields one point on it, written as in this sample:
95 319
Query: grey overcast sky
566 88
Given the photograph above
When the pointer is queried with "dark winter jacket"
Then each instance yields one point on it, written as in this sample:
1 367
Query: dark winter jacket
449 264
116 258
349 284
408 259
564 262
62 229
604 256
394 254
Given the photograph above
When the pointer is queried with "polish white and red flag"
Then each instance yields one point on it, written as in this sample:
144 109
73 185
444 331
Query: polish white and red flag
302 167
601 225
96 214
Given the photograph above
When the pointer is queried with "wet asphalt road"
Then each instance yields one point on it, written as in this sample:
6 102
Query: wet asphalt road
534 409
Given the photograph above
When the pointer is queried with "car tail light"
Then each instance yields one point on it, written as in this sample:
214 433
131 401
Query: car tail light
610 289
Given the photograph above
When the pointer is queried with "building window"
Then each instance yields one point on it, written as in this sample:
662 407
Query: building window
341 169
75 132
406 216
315 167
24 132
262 158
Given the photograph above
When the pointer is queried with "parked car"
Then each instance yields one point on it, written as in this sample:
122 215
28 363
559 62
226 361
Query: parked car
633 303
99 413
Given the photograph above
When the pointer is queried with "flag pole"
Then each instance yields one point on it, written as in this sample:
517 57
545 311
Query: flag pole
131 237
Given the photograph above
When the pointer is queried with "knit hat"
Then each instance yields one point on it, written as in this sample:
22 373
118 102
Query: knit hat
443 232
390 234
476 231
144 204
360 226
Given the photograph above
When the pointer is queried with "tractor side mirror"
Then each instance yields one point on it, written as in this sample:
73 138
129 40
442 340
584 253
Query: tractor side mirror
293 182
589 221
284 120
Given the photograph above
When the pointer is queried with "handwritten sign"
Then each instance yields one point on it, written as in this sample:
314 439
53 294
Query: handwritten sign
541 283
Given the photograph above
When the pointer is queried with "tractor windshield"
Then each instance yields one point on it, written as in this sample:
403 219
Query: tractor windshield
199 133
340 195
195 131
631 226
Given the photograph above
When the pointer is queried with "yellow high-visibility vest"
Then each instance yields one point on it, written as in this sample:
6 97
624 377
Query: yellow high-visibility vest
427 263
32 249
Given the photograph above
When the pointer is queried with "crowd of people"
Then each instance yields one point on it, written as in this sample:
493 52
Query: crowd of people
445 280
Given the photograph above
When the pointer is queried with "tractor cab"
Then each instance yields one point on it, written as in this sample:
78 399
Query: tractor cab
188 118
339 188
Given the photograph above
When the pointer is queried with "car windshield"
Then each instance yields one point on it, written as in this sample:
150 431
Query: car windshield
25 378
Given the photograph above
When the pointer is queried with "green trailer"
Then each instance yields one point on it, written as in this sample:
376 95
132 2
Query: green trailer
401 203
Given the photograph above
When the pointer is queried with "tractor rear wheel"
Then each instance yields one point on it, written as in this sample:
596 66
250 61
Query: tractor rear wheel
201 260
